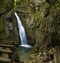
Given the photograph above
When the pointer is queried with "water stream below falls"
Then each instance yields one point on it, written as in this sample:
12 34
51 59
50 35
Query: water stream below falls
24 53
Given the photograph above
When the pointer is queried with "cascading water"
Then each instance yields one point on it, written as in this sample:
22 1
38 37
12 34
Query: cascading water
22 33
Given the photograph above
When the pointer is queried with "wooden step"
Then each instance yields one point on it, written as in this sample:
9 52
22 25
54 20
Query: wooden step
7 50
2 59
7 42
5 57
4 45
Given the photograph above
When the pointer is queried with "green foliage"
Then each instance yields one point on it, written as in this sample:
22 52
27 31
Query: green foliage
55 7
35 49
38 19
9 5
14 4
23 3
6 5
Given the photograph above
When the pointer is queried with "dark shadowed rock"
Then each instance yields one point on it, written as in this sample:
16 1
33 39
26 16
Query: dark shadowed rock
51 1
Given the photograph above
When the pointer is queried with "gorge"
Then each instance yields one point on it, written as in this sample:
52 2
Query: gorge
29 31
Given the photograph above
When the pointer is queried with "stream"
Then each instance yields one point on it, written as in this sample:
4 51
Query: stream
23 53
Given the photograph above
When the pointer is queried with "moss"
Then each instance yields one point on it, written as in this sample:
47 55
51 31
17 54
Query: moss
23 3
35 49
1 25
6 5
48 28
37 20
55 8
2 29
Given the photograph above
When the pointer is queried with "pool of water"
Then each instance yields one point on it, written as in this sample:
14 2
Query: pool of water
23 53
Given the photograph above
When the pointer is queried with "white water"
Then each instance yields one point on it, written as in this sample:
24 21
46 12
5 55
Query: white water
22 34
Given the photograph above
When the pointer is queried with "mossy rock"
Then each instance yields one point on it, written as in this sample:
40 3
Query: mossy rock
23 3
5 5
2 29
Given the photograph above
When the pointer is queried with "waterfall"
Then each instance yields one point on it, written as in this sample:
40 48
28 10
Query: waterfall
22 34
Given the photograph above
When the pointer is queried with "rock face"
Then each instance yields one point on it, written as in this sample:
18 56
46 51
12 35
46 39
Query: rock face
7 22
5 6
28 10
9 37
41 21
